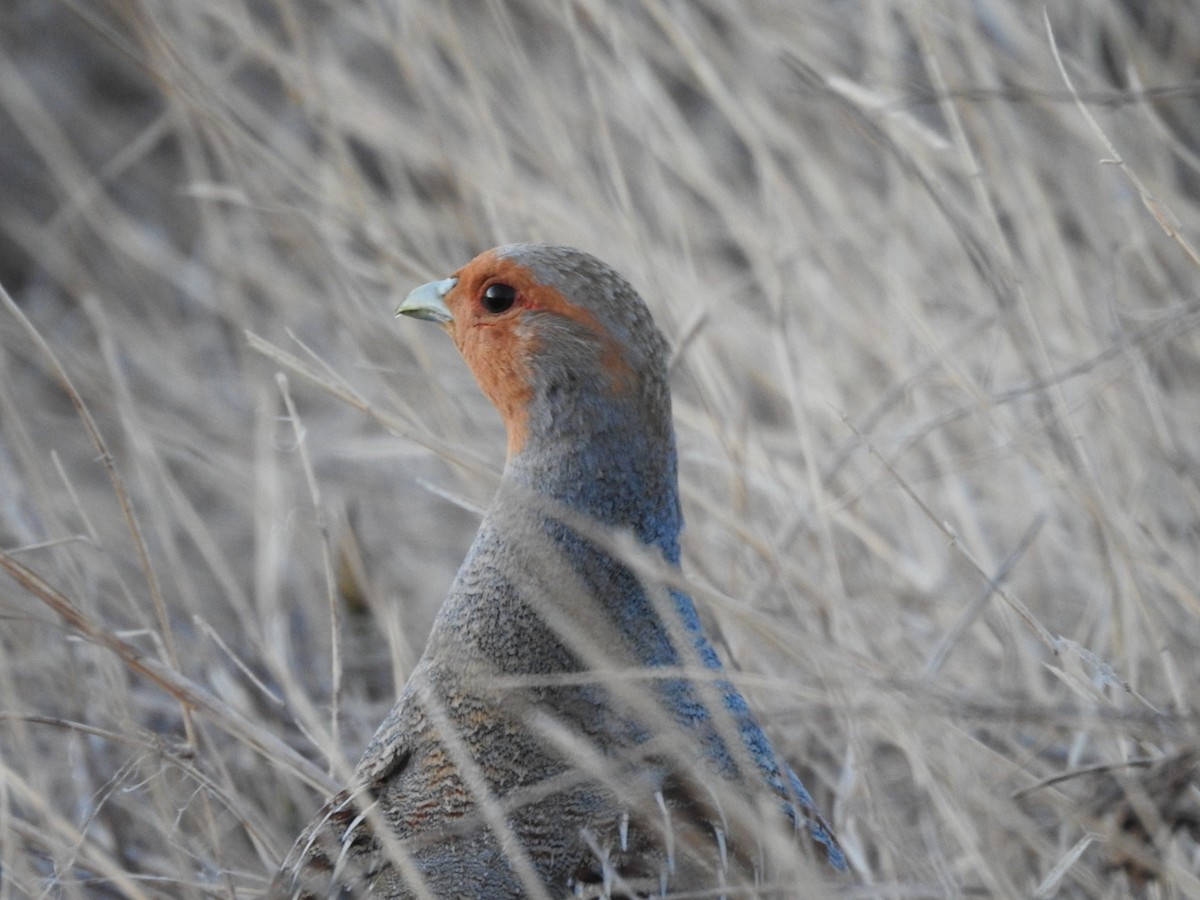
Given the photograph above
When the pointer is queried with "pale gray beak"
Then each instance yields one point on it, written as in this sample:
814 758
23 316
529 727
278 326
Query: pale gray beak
426 302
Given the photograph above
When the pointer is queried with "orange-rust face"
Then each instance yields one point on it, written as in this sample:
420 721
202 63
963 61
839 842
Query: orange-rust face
502 319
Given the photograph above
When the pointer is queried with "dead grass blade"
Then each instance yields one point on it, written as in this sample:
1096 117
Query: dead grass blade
186 692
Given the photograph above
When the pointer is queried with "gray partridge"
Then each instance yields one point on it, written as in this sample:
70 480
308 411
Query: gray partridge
567 731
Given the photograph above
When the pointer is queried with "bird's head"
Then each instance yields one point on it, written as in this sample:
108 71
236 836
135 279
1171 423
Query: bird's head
560 343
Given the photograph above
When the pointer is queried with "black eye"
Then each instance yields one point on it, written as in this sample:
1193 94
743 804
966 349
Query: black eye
499 297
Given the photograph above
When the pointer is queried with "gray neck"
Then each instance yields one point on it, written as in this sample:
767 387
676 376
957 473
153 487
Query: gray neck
588 458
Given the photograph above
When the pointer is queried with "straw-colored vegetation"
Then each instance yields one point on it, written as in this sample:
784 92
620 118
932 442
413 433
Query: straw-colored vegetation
930 272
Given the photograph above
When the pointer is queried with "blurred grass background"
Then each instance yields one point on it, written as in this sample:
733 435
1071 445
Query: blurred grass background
937 386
